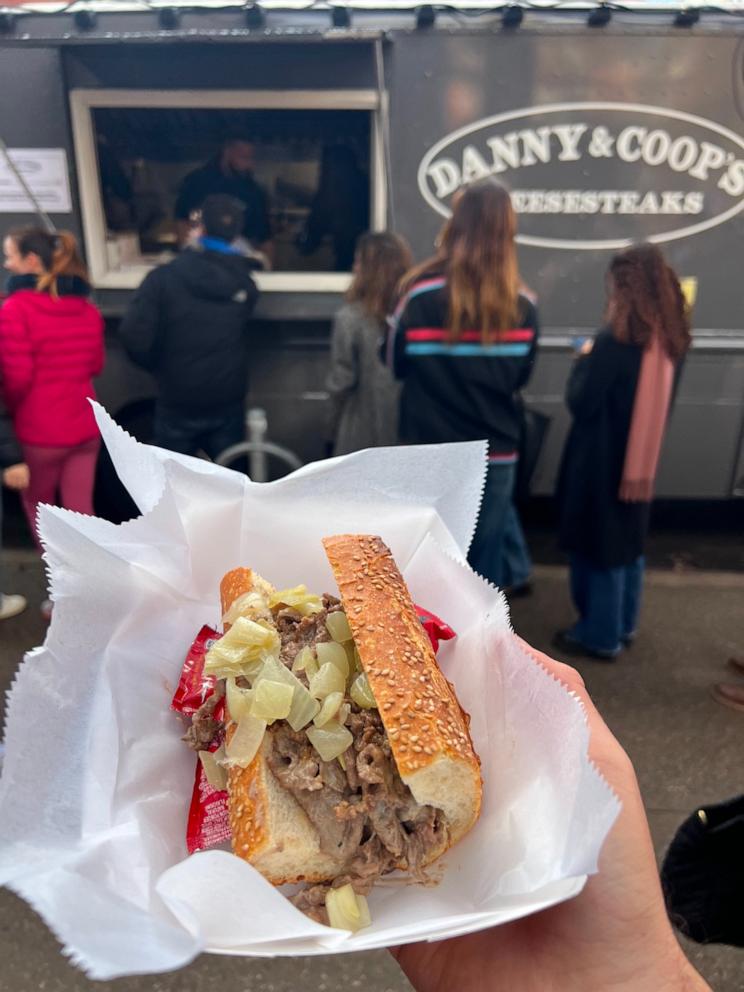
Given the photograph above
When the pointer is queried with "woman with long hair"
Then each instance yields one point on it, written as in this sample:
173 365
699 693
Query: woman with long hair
51 346
464 342
364 396
619 394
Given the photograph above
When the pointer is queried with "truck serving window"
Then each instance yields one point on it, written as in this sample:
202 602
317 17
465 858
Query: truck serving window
305 174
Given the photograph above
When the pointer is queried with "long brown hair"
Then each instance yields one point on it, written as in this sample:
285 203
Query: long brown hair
58 253
381 261
477 256
645 297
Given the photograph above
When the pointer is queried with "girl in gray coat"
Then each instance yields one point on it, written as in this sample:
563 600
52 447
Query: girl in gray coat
364 395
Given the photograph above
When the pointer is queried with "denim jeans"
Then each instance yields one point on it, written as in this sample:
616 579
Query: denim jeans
608 601
499 551
188 434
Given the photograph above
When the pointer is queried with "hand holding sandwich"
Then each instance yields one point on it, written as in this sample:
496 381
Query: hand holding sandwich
614 935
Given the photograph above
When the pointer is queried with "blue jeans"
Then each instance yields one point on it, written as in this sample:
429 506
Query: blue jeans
608 601
499 551
188 434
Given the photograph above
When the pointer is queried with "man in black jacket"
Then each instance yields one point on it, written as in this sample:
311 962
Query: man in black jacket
188 324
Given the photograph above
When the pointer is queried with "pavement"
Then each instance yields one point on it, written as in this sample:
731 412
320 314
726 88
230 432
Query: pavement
687 751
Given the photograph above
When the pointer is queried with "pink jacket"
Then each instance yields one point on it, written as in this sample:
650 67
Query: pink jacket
50 349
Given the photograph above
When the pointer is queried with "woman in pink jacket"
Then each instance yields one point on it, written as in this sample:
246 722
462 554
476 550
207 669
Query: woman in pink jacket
51 346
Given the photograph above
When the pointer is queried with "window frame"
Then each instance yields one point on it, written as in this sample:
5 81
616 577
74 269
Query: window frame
84 101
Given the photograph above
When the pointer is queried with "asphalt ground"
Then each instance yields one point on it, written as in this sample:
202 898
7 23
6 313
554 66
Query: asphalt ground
687 751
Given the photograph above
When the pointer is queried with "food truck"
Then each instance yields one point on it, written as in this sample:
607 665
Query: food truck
608 125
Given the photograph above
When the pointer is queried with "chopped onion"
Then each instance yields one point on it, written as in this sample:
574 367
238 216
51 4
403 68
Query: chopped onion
330 651
216 774
361 692
338 627
343 713
272 700
304 706
347 910
304 709
301 659
329 741
328 679
329 709
246 643
238 700
298 598
350 649
250 604
245 742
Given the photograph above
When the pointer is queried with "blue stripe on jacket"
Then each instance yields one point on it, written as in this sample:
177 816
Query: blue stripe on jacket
469 350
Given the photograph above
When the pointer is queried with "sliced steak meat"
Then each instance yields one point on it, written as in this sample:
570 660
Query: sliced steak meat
204 727
311 902
296 766
383 818
373 765
352 776
331 604
294 761
333 776
297 632
371 862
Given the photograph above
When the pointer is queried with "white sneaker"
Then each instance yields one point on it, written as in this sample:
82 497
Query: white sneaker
11 606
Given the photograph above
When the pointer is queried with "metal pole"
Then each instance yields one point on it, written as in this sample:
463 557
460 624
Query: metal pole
38 209
385 127
257 428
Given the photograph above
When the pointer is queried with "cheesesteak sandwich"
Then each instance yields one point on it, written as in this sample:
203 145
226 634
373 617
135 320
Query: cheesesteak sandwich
346 754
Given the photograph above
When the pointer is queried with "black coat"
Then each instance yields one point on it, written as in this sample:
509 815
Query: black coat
600 395
188 324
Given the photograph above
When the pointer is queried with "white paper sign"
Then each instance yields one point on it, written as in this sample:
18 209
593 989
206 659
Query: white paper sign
46 175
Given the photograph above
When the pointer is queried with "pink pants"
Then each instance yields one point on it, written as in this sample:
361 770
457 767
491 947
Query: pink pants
69 472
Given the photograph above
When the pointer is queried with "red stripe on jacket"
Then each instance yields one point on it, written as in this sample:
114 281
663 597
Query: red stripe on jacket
439 334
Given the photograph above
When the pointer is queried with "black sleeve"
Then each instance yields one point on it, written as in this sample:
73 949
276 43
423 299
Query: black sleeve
591 378
262 226
530 321
140 329
10 452
251 299
190 196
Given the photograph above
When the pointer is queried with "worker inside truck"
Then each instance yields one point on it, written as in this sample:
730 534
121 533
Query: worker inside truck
230 173
302 174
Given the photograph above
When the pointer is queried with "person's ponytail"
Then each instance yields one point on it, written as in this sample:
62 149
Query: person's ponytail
66 261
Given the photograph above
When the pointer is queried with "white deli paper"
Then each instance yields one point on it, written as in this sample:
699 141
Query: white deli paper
96 783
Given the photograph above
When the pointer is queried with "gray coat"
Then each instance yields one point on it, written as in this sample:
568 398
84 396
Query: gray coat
364 396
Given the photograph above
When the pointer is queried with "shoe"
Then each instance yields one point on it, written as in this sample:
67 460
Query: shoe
11 606
46 609
518 591
568 644
737 663
729 695
628 640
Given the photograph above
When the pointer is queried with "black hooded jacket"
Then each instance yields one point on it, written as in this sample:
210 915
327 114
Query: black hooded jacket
188 324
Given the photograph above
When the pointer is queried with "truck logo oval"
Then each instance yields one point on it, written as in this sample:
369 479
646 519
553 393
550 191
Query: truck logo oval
596 175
